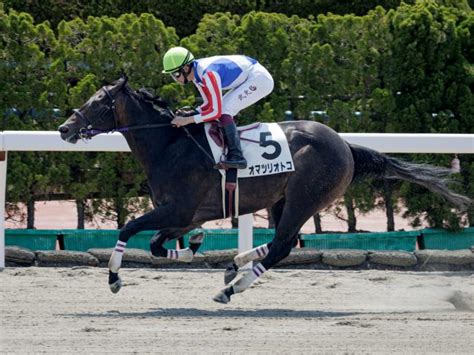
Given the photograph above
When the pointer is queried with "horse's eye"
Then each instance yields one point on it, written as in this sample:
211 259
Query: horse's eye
94 104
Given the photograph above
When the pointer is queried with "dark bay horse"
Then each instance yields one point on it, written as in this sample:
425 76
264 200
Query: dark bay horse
185 187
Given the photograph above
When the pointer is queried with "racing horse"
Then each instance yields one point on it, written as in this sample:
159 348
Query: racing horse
186 188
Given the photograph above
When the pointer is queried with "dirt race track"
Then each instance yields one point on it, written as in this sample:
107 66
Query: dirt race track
62 310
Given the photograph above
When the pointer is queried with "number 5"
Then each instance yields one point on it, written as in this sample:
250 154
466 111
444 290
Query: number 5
265 141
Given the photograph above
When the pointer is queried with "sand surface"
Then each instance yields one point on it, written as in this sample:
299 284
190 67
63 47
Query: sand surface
63 310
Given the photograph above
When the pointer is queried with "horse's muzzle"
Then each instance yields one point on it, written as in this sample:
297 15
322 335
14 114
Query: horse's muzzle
63 129
66 134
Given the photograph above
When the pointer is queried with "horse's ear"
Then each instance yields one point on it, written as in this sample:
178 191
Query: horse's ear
123 79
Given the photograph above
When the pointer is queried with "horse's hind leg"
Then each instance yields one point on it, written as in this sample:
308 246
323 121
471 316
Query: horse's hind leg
242 259
278 248
285 237
261 251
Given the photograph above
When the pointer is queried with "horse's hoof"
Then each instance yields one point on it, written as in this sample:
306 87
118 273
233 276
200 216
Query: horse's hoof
116 286
224 295
115 282
230 274
196 238
221 297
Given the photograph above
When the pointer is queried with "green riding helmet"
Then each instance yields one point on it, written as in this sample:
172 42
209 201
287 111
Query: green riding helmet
176 58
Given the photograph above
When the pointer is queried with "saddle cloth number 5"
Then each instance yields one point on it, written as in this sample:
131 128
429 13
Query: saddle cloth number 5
265 147
265 141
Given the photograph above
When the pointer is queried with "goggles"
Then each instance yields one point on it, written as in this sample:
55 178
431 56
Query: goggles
175 75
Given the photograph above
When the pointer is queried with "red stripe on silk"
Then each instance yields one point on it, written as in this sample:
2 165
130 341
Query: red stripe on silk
217 91
206 107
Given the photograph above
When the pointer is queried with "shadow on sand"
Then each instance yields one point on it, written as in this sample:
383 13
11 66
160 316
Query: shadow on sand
220 313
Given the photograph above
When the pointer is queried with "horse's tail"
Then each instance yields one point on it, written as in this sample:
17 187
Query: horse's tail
368 162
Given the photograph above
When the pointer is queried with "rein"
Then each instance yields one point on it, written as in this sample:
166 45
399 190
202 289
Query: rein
88 132
91 132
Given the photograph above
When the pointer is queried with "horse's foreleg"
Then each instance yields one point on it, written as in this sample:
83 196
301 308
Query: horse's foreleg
185 255
148 221
115 261
195 242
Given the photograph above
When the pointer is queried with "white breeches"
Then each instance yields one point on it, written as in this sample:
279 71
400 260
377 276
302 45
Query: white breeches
259 84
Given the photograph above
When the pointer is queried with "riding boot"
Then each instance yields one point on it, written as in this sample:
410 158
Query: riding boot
234 158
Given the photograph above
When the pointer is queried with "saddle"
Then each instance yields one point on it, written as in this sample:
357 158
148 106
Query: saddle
217 135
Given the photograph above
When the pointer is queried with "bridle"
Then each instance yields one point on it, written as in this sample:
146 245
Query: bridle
89 131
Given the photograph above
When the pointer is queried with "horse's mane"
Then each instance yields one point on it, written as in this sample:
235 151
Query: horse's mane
145 95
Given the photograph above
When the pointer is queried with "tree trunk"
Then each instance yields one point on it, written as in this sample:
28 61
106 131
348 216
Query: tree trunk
271 221
351 218
80 207
387 196
30 209
119 210
317 223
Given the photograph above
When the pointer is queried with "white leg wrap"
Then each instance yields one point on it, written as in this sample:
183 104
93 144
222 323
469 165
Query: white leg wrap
185 255
116 258
248 278
250 255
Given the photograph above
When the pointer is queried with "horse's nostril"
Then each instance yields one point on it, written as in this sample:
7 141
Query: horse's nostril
63 129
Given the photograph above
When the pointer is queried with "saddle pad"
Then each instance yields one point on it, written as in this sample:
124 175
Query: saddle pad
264 146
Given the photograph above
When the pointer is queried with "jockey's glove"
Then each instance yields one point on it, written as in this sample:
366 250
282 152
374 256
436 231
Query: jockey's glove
186 111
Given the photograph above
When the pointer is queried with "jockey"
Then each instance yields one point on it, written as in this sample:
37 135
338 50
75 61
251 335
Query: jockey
245 80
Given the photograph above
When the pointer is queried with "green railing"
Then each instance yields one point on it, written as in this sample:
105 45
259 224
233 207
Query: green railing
32 238
442 239
367 241
83 240
222 239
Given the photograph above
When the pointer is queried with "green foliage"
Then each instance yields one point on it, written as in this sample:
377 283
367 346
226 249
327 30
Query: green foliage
186 15
119 179
428 69
108 47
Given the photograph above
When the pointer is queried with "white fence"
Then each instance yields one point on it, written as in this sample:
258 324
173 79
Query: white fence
383 142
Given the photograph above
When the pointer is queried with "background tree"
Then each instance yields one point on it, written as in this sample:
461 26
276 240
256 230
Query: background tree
25 93
428 76
96 52
404 68
185 15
